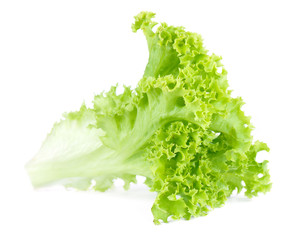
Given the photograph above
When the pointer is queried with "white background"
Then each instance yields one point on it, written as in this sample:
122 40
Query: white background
56 54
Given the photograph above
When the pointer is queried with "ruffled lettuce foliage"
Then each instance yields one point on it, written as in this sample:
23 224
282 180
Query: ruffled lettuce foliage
180 128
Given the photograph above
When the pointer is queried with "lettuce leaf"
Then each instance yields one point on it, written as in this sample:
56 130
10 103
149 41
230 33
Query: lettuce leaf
180 128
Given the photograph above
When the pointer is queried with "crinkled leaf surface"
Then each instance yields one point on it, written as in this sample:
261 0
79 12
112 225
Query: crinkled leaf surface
180 128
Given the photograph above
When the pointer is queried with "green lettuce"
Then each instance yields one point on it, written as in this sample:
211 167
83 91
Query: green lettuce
180 128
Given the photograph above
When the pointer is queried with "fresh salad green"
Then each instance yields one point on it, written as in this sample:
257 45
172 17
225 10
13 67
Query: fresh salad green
180 128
